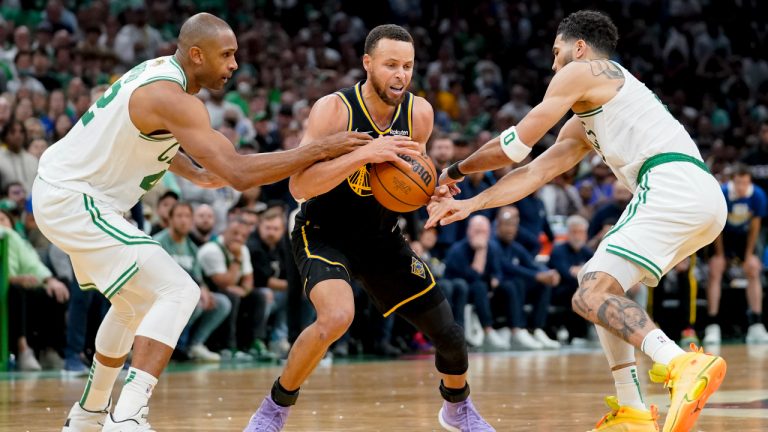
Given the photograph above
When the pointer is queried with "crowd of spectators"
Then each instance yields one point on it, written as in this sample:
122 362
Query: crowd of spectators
482 65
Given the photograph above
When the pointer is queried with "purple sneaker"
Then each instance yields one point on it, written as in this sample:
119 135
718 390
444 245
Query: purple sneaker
270 417
462 417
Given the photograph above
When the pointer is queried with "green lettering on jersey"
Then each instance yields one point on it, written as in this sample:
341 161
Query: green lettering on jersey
151 180
103 101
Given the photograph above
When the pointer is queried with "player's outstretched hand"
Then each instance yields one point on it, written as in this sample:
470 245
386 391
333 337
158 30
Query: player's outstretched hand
444 211
447 183
391 148
342 143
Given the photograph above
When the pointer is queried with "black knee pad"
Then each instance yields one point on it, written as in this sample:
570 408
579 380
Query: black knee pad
451 350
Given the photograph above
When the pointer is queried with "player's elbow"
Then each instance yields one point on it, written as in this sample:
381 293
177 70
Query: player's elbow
298 188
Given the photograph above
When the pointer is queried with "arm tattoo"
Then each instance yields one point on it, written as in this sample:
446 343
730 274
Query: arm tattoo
622 316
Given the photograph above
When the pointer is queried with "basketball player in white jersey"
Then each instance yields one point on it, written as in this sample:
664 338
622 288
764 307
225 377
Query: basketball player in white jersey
117 152
677 208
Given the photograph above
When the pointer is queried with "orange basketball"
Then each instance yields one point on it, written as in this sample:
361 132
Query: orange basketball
404 191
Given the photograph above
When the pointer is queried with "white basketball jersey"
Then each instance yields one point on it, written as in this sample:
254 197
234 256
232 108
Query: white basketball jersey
632 127
104 155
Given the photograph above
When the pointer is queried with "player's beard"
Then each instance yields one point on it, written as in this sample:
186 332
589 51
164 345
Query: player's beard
381 90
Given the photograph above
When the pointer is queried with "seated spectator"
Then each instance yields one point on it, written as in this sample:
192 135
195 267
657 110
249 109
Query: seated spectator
456 291
164 205
737 243
227 269
203 221
27 274
560 197
475 260
608 215
269 248
16 164
214 307
533 223
526 281
568 258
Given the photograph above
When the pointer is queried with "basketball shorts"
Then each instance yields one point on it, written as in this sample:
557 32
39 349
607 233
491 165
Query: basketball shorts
391 273
677 208
106 250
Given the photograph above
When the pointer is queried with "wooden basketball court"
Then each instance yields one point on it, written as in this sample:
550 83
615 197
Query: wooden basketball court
539 392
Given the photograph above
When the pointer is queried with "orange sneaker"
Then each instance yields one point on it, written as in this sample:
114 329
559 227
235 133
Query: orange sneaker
627 419
691 378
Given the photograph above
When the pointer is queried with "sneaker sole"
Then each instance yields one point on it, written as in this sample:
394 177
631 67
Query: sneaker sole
706 383
444 424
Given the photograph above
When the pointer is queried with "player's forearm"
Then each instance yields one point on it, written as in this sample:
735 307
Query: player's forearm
511 188
324 176
486 158
266 168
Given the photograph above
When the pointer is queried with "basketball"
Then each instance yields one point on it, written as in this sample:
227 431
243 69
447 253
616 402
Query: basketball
404 191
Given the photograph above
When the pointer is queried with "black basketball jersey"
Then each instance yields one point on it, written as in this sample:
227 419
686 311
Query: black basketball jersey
350 206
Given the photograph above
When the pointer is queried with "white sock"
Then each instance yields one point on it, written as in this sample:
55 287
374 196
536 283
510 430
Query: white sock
619 352
628 387
660 348
98 389
136 393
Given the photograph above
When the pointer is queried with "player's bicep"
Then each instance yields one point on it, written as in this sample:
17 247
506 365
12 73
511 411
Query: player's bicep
328 116
423 117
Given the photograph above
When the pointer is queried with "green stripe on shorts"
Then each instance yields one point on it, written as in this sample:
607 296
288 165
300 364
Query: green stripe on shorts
112 231
121 280
636 258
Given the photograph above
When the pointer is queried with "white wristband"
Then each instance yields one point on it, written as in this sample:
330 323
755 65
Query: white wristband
512 146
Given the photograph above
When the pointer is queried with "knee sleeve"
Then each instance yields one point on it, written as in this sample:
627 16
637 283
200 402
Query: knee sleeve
116 332
451 350
174 296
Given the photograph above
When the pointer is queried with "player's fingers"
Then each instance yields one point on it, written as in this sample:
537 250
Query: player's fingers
357 135
455 216
401 163
413 145
454 190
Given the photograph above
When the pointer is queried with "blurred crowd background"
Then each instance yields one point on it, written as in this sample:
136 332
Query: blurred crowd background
509 273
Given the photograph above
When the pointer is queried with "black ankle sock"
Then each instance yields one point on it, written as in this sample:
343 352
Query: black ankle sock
754 318
283 397
454 395
711 319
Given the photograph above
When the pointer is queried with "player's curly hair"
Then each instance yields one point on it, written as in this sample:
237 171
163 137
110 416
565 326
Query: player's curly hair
594 27
386 31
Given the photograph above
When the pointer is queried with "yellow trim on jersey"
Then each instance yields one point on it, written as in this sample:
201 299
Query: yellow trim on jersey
417 295
368 116
309 255
349 109
410 116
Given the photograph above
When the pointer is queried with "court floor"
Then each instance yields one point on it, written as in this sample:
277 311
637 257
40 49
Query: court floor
545 391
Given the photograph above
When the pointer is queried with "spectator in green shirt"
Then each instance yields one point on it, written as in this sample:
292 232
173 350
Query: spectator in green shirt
213 307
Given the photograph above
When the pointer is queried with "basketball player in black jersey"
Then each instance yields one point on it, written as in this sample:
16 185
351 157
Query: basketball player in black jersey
342 232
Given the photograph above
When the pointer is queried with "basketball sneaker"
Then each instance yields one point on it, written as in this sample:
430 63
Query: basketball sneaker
691 378
627 419
270 417
135 423
80 419
462 417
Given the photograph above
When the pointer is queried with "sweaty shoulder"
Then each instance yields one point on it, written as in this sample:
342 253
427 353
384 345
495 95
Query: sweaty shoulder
156 106
423 119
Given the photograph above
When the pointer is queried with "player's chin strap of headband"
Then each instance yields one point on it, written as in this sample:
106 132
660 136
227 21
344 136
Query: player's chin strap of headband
512 146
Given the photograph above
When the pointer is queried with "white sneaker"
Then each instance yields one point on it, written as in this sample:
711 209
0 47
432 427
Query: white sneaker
135 423
712 335
280 347
80 419
202 353
524 340
541 336
756 334
493 340
51 360
28 362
